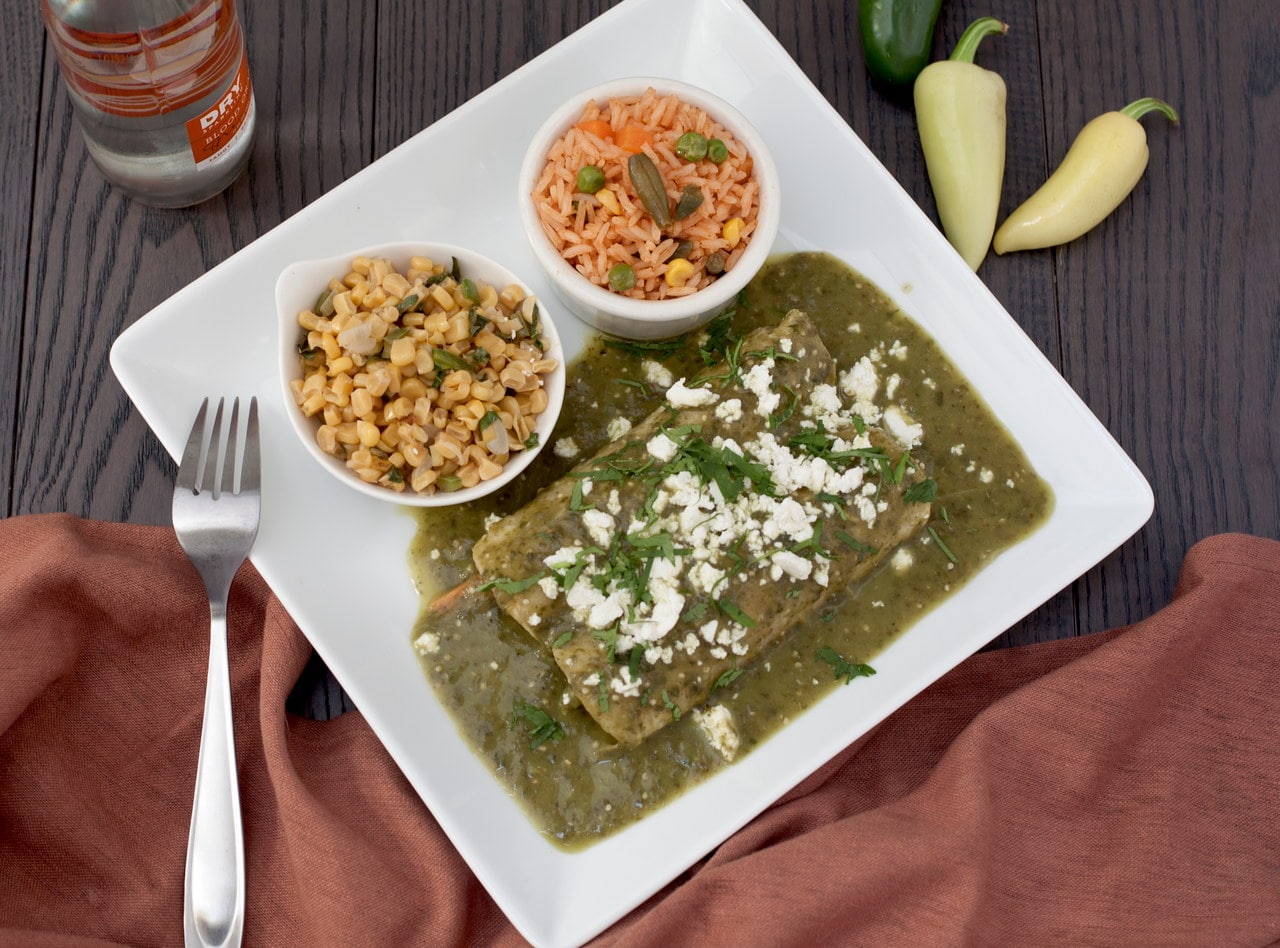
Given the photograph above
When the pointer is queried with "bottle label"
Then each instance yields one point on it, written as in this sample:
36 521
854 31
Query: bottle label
214 131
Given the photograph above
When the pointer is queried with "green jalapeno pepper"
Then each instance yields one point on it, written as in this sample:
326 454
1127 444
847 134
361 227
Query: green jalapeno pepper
897 36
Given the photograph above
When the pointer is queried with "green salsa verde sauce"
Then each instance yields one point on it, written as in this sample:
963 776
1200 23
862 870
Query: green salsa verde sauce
510 700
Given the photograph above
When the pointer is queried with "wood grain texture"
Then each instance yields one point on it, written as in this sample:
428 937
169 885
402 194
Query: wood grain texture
1170 309
1165 319
21 53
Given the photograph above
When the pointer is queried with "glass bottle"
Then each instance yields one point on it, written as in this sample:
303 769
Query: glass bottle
161 91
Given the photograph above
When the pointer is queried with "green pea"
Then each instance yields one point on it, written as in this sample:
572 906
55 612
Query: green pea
590 179
691 146
621 277
717 151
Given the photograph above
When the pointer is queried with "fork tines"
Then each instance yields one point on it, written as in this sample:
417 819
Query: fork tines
205 455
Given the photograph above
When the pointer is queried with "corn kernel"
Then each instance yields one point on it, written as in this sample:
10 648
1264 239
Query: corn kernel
732 231
403 351
443 298
678 272
609 200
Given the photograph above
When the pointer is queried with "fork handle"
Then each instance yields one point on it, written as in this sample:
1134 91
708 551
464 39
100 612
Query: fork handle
213 898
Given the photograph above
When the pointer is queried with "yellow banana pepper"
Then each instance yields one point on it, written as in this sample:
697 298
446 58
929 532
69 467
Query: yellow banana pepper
960 113
1101 167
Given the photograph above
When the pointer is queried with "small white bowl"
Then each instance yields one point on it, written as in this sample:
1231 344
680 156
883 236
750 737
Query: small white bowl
297 289
621 315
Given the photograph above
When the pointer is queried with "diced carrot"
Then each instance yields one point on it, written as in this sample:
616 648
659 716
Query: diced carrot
633 138
450 598
598 127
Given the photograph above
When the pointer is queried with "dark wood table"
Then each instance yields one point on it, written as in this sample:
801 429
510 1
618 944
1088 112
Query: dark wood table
1165 319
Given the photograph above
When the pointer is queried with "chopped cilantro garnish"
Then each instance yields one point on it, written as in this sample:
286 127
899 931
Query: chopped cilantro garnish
729 677
662 347
577 500
541 726
563 639
487 419
609 639
842 667
730 609
854 544
946 550
511 586
695 613
670 706
783 415
921 492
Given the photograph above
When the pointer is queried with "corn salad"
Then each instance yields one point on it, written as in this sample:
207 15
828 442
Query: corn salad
422 380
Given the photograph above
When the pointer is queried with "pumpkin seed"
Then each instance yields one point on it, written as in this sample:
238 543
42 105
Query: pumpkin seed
649 185
690 201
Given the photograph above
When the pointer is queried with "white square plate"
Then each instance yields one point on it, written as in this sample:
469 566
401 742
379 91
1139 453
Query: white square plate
196 344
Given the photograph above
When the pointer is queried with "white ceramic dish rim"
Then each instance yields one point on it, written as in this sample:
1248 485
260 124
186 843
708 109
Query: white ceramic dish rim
192 345
296 289
709 300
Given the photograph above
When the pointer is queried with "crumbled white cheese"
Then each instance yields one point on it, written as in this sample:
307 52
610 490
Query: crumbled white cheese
680 395
600 526
898 350
986 475
661 446
624 685
758 380
550 588
428 643
903 427
618 428
716 722
729 410
657 374
492 519
902 560
793 565
566 448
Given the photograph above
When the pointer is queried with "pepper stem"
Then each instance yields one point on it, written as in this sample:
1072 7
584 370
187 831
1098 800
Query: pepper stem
967 47
1140 107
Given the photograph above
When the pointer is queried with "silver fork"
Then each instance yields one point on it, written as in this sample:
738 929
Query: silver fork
216 521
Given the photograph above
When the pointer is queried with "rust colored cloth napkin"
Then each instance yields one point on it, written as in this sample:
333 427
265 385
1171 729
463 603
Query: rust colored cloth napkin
1121 788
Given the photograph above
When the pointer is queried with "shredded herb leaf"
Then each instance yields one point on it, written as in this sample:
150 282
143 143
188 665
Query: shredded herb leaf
842 667
511 586
921 492
854 544
541 726
730 609
946 550
729 677
670 706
